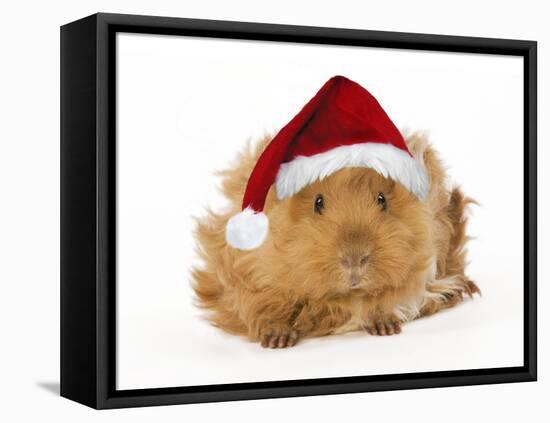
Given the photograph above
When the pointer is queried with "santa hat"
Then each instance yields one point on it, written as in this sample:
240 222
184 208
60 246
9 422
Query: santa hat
341 126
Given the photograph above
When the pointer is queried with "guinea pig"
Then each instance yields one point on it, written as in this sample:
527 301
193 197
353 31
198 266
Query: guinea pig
353 251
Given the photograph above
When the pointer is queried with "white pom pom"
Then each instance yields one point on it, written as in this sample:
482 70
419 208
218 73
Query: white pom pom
247 230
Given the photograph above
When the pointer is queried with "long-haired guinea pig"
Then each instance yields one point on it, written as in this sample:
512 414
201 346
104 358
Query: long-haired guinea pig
354 251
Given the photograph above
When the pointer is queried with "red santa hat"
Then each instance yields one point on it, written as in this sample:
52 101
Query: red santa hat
341 126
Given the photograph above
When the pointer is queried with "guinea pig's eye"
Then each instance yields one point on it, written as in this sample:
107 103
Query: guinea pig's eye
382 201
319 204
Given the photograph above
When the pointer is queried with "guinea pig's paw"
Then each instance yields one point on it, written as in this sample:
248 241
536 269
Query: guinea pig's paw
465 287
383 325
471 288
276 335
452 297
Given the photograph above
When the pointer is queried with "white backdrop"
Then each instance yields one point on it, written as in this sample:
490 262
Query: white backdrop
187 105
29 216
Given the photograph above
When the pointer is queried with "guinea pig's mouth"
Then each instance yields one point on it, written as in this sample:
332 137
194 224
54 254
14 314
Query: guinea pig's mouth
355 282
354 265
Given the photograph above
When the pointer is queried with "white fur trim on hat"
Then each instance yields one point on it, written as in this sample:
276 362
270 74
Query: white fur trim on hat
385 159
247 230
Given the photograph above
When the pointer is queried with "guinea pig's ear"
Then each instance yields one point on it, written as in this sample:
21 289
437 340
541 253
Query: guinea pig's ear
391 185
386 186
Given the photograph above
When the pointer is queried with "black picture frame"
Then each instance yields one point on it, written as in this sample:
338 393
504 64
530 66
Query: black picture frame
88 199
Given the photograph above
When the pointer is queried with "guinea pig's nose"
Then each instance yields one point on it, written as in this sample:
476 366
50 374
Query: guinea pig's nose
354 260
354 281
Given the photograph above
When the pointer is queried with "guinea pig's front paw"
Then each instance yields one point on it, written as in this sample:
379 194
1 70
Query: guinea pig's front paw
383 325
471 288
278 336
